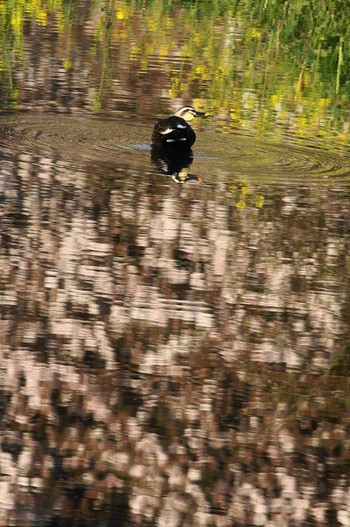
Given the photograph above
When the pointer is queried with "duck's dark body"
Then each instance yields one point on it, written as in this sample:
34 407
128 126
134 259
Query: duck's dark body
173 132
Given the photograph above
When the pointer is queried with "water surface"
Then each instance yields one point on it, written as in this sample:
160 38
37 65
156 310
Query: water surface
172 353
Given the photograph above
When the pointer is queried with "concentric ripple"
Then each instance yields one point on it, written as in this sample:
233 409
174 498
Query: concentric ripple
243 155
70 138
89 139
316 162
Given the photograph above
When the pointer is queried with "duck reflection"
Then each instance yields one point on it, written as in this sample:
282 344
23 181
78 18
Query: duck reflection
174 163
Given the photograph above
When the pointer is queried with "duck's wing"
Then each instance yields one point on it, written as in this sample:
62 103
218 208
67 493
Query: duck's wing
173 130
166 126
160 129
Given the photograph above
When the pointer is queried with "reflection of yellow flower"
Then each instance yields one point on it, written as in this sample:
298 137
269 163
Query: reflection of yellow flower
275 99
173 93
42 17
200 69
14 96
255 33
343 137
16 20
67 64
121 14
259 201
323 102
246 197
152 25
60 22
244 190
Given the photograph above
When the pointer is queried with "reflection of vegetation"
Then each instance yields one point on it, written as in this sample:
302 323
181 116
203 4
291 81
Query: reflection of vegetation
14 14
261 64
265 66
340 364
244 196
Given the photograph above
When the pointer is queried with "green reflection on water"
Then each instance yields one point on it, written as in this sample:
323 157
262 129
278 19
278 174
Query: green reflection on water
265 67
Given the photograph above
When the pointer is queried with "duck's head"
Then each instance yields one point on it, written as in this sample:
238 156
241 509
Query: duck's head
188 113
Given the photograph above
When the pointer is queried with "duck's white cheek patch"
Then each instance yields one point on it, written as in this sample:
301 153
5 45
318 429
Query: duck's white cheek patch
167 131
182 126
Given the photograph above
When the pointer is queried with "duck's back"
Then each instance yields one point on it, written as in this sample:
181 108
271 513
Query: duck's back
173 131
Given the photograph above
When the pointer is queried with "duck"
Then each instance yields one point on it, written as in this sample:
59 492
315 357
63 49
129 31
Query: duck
175 132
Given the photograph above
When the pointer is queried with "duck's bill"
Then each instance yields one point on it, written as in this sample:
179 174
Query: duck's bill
202 114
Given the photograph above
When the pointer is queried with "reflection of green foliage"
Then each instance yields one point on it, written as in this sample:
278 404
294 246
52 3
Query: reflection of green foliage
14 14
266 66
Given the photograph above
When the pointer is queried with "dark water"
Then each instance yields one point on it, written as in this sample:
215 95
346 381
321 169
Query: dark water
172 353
